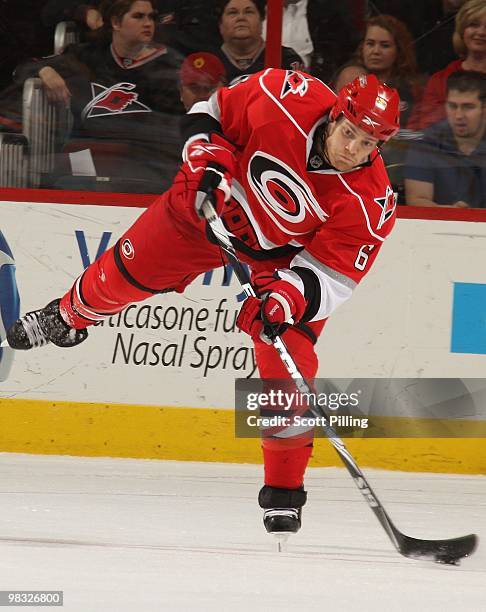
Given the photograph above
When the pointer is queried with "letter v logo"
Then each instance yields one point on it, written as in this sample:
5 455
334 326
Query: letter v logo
83 247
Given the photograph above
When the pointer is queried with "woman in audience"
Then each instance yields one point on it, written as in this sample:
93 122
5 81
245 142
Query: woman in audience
387 50
469 41
243 48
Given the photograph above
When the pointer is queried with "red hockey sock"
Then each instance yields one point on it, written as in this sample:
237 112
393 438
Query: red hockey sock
101 291
285 468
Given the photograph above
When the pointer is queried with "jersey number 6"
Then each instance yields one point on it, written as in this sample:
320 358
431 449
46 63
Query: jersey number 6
363 255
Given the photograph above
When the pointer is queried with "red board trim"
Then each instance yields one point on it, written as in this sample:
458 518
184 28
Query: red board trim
58 196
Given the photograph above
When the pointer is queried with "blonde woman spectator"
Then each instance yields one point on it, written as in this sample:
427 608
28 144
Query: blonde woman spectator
469 41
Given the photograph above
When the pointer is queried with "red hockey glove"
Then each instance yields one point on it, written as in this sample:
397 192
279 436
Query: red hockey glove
280 304
212 166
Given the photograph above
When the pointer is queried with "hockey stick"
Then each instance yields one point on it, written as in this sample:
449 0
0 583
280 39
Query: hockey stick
442 551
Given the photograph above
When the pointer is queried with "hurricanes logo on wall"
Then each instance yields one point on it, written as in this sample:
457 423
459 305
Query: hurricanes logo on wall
9 304
387 204
119 98
295 83
282 193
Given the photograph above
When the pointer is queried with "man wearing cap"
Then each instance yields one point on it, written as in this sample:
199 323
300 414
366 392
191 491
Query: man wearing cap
201 75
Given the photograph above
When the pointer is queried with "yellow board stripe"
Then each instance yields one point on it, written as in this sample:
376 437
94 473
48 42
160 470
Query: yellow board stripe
200 434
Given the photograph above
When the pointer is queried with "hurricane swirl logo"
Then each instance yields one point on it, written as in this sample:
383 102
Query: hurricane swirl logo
284 196
127 249
9 304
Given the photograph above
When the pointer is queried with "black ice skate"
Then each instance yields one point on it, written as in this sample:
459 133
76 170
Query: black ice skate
283 511
39 327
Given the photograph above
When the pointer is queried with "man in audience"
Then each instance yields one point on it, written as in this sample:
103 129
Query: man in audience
448 167
201 75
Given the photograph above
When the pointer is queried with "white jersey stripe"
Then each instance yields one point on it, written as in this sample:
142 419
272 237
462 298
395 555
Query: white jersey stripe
318 265
335 287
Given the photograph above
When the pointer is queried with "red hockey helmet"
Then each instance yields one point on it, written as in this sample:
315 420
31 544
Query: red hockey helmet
369 105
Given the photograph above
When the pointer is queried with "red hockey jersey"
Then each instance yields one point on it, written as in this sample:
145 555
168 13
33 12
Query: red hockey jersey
289 193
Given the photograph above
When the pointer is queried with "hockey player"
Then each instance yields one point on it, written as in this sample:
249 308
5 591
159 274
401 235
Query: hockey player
298 180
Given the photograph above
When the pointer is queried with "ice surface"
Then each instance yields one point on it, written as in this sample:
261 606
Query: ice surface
119 535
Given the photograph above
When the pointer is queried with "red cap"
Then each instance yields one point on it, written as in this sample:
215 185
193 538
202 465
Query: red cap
369 105
202 69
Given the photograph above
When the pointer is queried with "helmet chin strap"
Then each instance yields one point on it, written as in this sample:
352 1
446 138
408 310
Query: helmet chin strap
370 160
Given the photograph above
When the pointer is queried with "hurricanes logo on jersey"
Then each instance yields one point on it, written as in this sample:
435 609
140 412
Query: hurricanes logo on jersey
127 249
283 195
295 83
387 204
119 98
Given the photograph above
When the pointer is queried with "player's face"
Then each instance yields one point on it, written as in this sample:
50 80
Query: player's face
240 21
379 50
348 146
465 113
475 34
138 25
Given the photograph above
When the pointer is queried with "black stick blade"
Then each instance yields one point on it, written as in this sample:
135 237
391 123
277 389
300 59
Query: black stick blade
440 551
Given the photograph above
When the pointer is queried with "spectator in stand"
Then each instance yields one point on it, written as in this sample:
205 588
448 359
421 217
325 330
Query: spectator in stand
295 29
243 48
201 75
185 25
419 17
448 168
387 51
431 24
123 92
470 44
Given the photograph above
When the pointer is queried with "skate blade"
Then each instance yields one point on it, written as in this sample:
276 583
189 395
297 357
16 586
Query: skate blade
282 538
